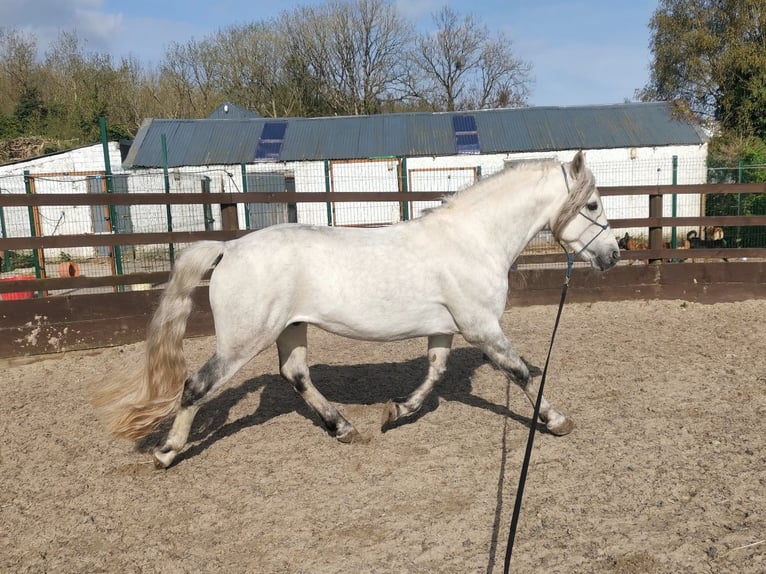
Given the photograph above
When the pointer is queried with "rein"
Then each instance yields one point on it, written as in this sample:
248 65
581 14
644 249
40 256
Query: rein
571 256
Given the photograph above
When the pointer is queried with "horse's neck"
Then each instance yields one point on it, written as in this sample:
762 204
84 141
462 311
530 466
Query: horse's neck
507 219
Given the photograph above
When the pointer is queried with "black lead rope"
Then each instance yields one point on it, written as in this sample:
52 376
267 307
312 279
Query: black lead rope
535 415
533 426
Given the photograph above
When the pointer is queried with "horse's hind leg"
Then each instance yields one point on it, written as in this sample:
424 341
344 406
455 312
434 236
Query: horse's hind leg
438 351
291 345
215 372
498 348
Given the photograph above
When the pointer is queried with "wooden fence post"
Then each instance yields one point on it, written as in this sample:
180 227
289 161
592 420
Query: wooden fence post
229 218
655 233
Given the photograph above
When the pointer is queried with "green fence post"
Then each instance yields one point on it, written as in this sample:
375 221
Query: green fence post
32 232
740 179
3 231
244 190
405 187
113 219
168 210
328 189
673 232
207 209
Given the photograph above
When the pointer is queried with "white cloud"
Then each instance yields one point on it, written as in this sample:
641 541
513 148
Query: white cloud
99 29
419 10
46 19
40 14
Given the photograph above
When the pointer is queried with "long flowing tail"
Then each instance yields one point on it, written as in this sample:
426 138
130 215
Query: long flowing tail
134 405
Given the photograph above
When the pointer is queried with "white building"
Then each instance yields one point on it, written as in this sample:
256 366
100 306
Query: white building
79 170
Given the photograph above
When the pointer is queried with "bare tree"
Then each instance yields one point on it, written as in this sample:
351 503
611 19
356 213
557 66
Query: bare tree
503 81
461 66
252 61
189 71
353 50
18 67
68 79
126 89
309 59
80 87
340 57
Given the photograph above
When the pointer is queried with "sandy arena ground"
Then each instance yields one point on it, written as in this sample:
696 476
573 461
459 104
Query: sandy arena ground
665 472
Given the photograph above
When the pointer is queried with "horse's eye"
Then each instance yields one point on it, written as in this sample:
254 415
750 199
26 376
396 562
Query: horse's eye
592 206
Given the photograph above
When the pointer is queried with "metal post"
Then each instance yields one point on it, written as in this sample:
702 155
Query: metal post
740 179
673 233
114 221
207 209
37 254
328 189
4 232
244 190
168 210
404 187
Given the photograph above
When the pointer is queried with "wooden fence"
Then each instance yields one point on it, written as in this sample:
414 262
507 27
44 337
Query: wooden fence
51 324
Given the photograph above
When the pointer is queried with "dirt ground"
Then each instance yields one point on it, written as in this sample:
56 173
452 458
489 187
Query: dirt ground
665 472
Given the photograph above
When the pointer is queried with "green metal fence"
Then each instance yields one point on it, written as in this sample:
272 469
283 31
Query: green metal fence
739 204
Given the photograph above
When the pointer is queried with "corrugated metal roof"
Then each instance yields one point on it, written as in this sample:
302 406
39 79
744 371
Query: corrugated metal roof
233 141
229 111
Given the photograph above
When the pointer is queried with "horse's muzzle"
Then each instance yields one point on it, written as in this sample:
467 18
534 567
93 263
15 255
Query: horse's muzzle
606 262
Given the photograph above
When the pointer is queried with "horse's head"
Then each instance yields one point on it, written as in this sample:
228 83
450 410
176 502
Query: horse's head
581 222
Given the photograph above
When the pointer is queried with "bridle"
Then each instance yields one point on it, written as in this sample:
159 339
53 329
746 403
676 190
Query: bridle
571 256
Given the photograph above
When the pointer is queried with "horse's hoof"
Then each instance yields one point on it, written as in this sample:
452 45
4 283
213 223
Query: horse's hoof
562 427
352 436
390 413
163 460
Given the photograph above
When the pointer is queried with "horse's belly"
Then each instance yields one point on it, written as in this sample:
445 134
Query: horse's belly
383 325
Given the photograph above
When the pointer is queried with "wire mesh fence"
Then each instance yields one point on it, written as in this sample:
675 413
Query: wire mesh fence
737 204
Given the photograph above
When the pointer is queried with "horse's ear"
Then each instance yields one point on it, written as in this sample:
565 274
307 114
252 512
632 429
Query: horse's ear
578 163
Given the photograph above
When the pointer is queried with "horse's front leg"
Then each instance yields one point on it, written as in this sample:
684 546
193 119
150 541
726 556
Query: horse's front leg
498 348
438 351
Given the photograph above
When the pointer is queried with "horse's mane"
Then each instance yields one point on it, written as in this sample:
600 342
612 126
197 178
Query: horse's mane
580 186
454 197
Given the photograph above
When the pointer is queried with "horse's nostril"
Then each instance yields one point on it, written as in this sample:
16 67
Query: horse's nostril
616 255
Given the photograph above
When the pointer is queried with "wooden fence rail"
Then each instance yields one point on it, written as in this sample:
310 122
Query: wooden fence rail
655 223
656 251
65 322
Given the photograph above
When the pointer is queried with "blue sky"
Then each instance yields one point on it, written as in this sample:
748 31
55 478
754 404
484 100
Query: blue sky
582 51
